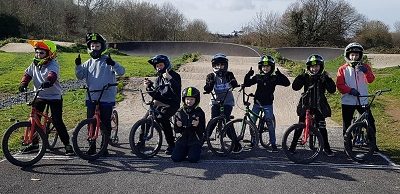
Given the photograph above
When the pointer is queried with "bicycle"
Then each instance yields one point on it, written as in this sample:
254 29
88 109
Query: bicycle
39 132
215 126
88 131
302 142
258 132
114 129
359 141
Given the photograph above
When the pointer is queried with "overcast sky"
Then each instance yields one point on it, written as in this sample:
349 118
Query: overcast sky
224 16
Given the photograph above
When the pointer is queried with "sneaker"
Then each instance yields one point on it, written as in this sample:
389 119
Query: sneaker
237 148
329 152
169 150
92 149
31 148
69 151
274 149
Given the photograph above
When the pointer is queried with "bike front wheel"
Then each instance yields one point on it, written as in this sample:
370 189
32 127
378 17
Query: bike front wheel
357 142
84 142
145 138
19 152
238 135
299 150
114 129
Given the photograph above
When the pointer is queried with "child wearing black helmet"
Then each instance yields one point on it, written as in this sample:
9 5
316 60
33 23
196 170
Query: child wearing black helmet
316 78
190 122
167 97
98 71
266 82
221 80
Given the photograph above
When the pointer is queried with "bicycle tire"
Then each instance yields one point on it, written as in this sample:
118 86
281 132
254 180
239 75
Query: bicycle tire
13 147
114 129
357 143
264 135
82 145
213 131
239 127
52 135
302 154
145 138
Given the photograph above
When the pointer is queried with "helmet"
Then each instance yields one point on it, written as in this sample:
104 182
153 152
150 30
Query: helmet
160 59
219 58
46 45
353 48
315 59
191 92
266 60
96 37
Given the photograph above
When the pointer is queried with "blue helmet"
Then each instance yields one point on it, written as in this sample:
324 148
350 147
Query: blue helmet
160 59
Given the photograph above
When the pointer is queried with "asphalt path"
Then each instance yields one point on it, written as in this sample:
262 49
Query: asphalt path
248 172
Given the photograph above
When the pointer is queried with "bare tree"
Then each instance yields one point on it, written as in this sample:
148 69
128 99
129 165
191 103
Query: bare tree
197 30
374 34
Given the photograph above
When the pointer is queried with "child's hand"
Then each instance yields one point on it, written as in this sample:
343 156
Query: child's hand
251 72
166 75
195 122
147 82
109 61
277 72
78 60
178 123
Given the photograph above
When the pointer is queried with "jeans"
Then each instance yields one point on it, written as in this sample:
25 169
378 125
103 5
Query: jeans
270 117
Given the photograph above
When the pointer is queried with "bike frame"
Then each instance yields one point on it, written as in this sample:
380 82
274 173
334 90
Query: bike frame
309 122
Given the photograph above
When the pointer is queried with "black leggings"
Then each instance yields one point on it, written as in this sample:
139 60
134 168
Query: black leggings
105 116
56 115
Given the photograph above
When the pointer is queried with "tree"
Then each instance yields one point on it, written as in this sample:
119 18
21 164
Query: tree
374 34
197 30
9 26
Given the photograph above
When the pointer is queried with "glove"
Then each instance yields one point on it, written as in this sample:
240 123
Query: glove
362 68
22 88
354 92
324 76
109 61
277 72
78 60
46 84
251 72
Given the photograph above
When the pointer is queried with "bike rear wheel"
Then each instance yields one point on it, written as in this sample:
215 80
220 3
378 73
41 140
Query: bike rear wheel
114 129
241 132
52 135
85 145
298 152
213 132
145 138
19 153
357 142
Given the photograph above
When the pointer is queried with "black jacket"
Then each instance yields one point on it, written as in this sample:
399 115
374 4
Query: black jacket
190 134
266 84
168 94
315 98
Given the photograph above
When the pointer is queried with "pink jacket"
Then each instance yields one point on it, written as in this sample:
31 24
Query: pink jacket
349 77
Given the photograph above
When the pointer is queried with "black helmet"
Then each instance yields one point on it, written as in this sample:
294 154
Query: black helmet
191 92
219 58
266 60
160 59
315 59
353 48
96 37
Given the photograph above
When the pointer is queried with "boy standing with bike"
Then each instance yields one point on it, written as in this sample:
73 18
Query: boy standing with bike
190 122
45 72
352 81
167 96
266 82
98 71
221 80
318 81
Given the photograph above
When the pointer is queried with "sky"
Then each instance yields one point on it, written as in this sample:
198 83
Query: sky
225 16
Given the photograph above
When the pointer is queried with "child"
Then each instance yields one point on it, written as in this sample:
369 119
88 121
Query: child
167 97
45 73
352 80
220 81
318 79
266 82
98 71
190 122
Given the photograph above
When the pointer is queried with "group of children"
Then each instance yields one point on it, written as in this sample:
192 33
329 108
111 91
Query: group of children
189 120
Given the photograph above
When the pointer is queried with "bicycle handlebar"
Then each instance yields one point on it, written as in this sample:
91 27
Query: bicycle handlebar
105 87
377 93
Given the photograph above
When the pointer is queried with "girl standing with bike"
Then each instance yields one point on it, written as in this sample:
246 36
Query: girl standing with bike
98 71
45 73
266 82
318 79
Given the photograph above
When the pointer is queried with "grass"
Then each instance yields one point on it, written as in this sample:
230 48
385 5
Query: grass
13 65
388 132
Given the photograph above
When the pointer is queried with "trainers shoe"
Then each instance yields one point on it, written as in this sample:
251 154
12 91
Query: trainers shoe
69 151
329 152
169 150
274 149
92 149
31 148
237 148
